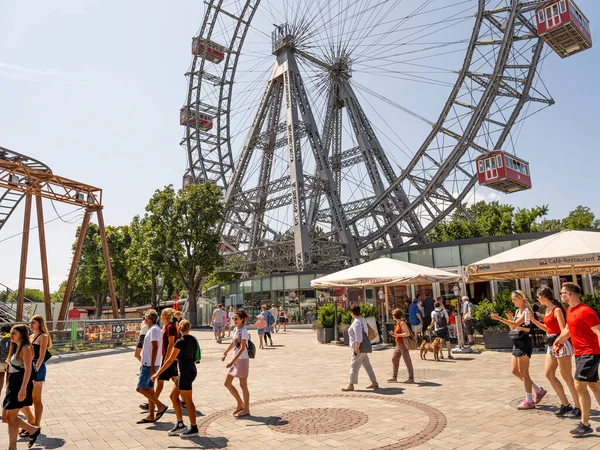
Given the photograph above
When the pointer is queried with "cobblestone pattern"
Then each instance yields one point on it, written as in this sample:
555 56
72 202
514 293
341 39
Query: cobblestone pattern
436 420
426 374
317 421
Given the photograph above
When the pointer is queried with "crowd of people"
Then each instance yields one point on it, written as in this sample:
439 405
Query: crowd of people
24 351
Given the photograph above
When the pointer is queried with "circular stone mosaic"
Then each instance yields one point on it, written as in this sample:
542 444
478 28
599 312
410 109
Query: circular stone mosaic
317 421
314 421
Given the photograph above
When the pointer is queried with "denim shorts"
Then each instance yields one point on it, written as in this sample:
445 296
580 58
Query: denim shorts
40 375
144 380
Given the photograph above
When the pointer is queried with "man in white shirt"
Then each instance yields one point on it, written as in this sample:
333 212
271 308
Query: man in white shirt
467 310
217 322
275 314
439 321
151 358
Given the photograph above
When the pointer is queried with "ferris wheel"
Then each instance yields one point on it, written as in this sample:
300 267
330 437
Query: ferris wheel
339 127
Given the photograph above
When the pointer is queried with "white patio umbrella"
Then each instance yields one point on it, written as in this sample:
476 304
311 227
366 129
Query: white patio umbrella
564 253
384 272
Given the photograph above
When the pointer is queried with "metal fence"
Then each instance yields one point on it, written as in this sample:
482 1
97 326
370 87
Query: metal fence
70 334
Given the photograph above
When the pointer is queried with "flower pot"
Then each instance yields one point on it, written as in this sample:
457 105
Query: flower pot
325 335
346 338
497 340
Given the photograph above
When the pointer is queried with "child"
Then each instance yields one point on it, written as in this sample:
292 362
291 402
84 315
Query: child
452 323
4 349
261 324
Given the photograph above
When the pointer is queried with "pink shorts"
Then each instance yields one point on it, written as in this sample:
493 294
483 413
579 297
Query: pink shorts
240 368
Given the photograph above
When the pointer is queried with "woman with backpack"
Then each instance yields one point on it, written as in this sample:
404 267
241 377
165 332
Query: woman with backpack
239 366
186 352
361 347
553 323
270 320
400 332
520 326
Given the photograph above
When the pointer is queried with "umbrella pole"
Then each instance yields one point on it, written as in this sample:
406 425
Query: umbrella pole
385 311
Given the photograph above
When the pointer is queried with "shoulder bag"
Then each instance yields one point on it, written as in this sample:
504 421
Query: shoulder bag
365 345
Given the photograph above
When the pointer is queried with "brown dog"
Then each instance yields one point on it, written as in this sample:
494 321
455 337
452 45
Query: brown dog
435 347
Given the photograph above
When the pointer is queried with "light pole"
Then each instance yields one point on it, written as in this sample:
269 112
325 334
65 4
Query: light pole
160 281
381 295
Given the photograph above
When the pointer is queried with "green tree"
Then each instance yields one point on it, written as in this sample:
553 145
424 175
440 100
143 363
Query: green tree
183 227
35 295
580 218
91 280
119 240
548 225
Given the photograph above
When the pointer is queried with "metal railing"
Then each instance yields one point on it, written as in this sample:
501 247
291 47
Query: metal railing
73 333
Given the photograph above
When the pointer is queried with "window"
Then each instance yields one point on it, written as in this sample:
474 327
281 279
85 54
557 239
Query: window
563 6
492 162
402 256
446 256
480 166
499 158
471 253
541 16
499 247
422 257
555 10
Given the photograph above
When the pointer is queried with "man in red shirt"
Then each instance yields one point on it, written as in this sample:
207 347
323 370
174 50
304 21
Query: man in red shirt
583 326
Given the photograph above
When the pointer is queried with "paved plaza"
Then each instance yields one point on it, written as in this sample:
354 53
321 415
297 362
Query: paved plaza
297 402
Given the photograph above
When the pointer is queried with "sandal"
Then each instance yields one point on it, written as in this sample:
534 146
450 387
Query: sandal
237 410
146 420
23 433
159 414
34 437
409 381
392 380
243 413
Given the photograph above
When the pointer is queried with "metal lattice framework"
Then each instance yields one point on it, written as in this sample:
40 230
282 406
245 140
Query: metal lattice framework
316 184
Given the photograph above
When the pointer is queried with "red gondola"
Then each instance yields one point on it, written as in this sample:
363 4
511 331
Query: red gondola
503 172
188 117
214 52
563 27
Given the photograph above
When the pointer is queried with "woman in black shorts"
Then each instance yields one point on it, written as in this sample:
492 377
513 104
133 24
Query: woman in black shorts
19 390
184 351
520 325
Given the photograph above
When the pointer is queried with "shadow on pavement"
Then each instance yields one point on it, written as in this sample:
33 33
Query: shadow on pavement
273 421
205 442
427 384
75 356
387 391
48 442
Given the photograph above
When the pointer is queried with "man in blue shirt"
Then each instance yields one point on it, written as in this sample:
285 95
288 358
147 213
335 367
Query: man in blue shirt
415 318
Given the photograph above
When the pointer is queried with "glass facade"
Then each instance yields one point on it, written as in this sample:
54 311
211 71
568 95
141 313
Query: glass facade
502 246
471 253
446 256
422 257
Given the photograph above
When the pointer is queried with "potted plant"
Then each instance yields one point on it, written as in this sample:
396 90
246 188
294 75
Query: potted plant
324 323
495 334
345 322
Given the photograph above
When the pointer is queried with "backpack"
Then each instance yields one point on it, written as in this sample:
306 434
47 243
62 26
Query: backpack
440 319
270 318
4 348
198 351
251 348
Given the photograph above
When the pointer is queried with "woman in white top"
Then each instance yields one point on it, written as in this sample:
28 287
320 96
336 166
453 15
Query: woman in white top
355 333
230 317
520 325
239 366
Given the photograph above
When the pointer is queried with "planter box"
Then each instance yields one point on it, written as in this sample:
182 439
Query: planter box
325 335
497 340
346 338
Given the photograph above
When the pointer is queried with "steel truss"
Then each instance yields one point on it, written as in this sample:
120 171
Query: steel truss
495 84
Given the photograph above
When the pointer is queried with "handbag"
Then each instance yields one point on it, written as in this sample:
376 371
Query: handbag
550 338
372 333
47 356
251 348
410 342
365 345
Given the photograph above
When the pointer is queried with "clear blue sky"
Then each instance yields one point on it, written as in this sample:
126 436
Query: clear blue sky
93 89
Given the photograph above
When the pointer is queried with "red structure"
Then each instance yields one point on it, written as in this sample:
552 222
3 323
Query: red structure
564 27
207 49
503 172
188 117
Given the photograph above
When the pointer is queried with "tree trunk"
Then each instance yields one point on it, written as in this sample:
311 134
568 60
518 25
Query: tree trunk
99 303
122 300
192 305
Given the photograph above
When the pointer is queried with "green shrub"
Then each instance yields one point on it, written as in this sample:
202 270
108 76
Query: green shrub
501 304
592 301
344 316
367 310
325 316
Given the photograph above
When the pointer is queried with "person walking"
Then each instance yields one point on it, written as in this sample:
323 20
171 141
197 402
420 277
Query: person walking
169 336
4 350
415 318
401 331
439 324
270 321
239 366
230 317
151 356
184 352
19 389
274 312
282 320
138 352
217 322
520 326
583 327
554 323
261 326
41 343
357 332
467 310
